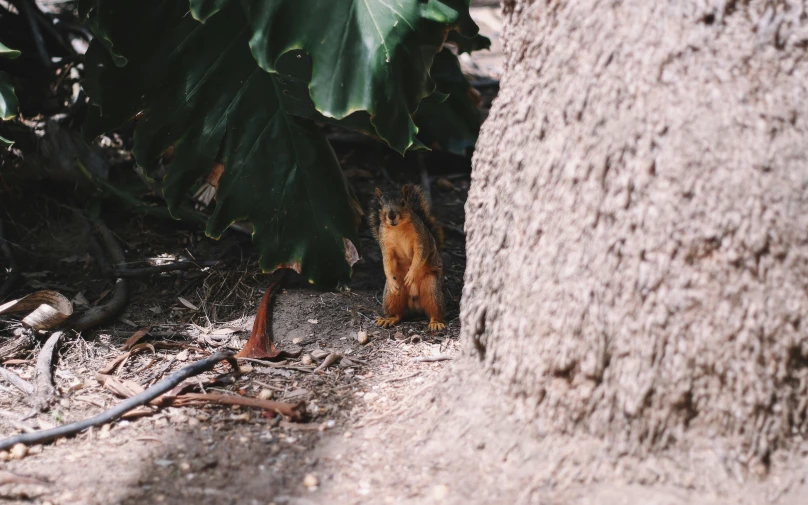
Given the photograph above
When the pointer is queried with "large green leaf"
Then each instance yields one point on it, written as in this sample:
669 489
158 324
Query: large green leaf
453 124
212 99
8 53
8 100
368 55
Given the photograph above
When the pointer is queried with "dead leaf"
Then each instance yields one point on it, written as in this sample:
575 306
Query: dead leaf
187 303
183 355
225 331
295 393
136 337
122 387
46 309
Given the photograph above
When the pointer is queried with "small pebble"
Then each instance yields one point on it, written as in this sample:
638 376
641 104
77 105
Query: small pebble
327 425
347 434
19 451
440 491
185 466
266 394
104 433
4 456
245 368
311 481
362 337
297 340
306 359
192 421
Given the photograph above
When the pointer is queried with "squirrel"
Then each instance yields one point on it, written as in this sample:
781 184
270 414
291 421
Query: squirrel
411 240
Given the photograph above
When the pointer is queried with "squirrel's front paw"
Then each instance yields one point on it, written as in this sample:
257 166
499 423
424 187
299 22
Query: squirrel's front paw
408 279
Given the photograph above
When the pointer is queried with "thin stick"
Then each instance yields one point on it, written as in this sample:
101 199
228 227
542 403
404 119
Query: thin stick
44 392
432 359
293 410
17 381
14 271
114 413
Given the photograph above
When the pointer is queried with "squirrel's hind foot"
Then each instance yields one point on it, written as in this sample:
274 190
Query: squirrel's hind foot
436 326
386 322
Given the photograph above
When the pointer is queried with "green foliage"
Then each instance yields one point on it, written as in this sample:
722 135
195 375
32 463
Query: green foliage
8 100
451 124
210 81
8 53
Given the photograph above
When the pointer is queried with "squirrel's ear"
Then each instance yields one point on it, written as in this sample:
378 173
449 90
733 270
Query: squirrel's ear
405 190
378 193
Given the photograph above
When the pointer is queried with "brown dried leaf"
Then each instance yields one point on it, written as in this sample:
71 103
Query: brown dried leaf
46 309
136 337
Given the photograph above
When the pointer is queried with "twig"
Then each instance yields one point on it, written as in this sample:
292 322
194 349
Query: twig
293 410
11 418
101 314
14 271
16 381
159 269
114 413
432 359
44 392
328 361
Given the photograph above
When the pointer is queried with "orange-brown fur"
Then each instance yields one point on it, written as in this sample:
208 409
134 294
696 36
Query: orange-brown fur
410 239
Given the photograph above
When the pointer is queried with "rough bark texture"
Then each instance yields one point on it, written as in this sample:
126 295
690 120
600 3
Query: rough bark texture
638 222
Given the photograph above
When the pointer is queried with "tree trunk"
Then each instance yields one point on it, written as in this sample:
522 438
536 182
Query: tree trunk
637 226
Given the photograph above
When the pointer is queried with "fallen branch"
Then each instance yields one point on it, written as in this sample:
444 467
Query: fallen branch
17 381
291 410
101 314
13 270
44 392
432 359
114 413
159 269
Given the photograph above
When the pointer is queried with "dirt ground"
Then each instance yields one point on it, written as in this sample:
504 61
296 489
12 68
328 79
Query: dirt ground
390 429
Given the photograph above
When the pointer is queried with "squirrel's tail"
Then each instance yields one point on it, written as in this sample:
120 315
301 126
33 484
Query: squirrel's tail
417 200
